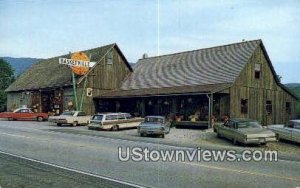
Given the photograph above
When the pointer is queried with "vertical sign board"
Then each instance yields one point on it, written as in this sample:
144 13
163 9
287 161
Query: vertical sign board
80 65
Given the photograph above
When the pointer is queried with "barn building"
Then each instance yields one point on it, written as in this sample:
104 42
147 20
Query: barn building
236 79
47 85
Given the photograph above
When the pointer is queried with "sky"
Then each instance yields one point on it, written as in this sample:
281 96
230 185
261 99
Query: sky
48 28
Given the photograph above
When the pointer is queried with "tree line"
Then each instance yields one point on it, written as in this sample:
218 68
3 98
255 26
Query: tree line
6 78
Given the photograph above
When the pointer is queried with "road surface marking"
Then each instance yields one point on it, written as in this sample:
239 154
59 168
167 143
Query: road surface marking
74 170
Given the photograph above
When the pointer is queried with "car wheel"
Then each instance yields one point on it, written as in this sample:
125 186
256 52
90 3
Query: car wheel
75 123
10 119
142 134
58 124
218 135
163 135
39 119
277 137
115 128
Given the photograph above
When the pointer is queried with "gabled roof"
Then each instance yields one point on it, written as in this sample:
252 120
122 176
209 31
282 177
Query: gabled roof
199 71
275 75
48 73
216 65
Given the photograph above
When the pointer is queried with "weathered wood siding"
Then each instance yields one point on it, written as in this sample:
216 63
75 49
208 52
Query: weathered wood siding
258 91
104 77
16 99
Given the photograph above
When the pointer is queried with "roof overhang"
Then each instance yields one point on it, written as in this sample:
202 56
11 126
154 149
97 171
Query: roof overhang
166 91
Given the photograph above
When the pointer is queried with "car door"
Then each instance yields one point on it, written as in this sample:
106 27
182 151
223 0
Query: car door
225 130
231 132
296 133
286 131
82 118
24 114
111 120
121 121
30 114
220 129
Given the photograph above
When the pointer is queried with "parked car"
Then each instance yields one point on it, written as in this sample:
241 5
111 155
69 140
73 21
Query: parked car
24 114
244 131
73 118
290 131
154 125
114 121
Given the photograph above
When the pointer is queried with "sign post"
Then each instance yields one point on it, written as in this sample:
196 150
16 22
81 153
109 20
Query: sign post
74 90
80 64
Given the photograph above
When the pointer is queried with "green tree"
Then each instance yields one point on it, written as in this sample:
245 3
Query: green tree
6 78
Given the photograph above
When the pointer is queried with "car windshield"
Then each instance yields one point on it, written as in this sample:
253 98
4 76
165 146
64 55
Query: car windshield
249 124
293 124
98 117
154 120
16 110
68 113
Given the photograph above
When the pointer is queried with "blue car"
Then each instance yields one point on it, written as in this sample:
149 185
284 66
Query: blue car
154 125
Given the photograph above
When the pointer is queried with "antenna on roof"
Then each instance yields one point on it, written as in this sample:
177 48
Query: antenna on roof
145 56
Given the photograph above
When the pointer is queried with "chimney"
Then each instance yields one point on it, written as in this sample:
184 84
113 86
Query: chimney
145 56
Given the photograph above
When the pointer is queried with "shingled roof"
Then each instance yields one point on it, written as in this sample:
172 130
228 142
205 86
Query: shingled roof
221 64
48 73
202 69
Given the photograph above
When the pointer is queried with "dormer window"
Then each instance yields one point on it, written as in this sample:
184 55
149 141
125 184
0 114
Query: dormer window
109 58
257 71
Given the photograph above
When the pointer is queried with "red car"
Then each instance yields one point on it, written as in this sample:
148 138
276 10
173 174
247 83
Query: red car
24 114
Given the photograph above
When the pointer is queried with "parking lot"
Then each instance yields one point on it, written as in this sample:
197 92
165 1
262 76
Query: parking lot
204 138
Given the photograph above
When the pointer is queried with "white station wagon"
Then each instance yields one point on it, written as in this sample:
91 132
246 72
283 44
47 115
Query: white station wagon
114 121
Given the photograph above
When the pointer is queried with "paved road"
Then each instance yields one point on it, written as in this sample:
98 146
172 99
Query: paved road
99 155
18 172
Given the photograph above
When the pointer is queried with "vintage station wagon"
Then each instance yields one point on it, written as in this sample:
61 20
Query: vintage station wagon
114 121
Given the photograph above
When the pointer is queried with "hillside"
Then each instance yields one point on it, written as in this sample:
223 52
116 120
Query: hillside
295 87
20 64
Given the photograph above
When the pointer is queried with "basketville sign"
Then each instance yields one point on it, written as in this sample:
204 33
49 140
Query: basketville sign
80 64
73 62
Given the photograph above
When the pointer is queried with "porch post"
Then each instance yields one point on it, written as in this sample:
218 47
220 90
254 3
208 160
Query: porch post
174 104
210 108
142 106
